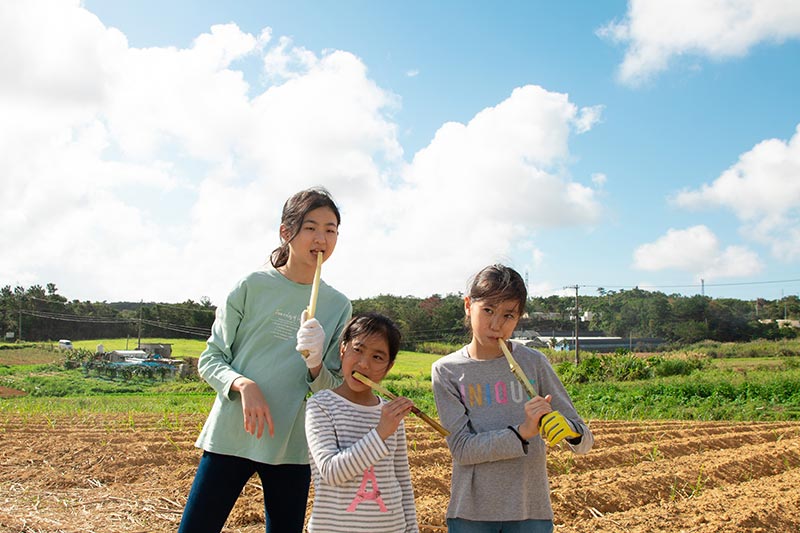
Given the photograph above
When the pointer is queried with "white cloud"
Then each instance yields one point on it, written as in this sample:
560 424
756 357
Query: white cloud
763 190
696 250
599 179
481 189
160 173
188 97
656 32
413 73
588 117
286 61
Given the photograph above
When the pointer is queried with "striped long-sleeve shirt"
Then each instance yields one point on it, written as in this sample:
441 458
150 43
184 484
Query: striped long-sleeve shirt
361 483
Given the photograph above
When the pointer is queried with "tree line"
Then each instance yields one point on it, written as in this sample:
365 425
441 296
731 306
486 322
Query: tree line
41 314
674 318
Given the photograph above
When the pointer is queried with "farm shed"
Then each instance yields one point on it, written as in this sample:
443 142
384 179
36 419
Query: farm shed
530 342
602 344
152 348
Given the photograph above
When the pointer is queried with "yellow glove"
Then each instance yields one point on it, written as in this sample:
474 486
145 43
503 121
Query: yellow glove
555 428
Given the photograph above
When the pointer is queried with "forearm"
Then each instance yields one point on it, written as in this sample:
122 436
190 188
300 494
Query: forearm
324 379
474 448
337 467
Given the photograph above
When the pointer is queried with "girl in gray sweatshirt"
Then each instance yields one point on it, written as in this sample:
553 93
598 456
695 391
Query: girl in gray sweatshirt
499 481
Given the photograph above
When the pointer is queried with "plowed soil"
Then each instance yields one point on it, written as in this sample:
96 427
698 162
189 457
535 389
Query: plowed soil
131 473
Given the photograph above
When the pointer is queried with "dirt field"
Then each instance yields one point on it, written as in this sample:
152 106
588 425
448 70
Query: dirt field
132 474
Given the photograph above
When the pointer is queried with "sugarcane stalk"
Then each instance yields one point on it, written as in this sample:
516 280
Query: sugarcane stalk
517 370
312 304
311 310
414 409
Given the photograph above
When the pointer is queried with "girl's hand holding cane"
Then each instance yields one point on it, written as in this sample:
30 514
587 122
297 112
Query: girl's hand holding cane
414 409
555 428
311 336
540 417
392 413
535 409
310 340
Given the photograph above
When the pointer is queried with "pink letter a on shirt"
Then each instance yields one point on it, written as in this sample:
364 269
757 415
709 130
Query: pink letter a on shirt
362 494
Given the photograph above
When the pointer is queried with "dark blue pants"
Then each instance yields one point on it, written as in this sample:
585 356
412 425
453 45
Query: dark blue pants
459 525
221 478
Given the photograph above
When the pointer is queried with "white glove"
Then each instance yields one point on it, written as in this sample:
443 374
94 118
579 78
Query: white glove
310 339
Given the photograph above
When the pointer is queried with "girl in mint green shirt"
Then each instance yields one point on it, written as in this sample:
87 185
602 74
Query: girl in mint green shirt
253 362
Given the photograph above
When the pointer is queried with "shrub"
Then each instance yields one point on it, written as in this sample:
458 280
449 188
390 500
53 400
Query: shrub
437 348
624 367
675 367
77 357
16 345
628 368
791 363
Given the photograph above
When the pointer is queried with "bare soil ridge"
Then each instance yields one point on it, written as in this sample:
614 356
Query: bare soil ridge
131 473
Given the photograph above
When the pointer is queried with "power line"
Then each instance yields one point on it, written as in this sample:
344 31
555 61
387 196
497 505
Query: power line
202 332
688 286
153 304
76 318
696 285
180 328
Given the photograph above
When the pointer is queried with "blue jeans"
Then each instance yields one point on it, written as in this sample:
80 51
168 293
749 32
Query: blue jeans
221 478
459 525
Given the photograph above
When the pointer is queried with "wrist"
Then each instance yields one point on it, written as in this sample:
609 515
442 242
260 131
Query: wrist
522 439
313 371
526 432
383 432
240 383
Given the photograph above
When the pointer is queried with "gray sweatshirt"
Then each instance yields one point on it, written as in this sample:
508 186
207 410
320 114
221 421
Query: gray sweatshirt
494 479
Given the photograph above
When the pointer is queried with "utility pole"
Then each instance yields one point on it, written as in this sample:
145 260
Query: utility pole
139 345
702 287
577 319
784 305
577 339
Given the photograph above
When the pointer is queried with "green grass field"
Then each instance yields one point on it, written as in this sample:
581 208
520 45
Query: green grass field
413 363
762 385
39 371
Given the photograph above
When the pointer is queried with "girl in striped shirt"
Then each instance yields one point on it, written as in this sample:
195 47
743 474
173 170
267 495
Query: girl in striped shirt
357 441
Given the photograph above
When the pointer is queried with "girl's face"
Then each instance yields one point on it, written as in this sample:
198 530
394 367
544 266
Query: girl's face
367 355
491 322
318 233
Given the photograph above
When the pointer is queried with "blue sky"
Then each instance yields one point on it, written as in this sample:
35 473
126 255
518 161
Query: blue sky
151 145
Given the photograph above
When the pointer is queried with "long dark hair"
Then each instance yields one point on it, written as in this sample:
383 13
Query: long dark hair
498 283
294 211
368 324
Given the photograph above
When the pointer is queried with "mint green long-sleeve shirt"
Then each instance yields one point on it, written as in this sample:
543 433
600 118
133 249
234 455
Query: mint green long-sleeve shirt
254 335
